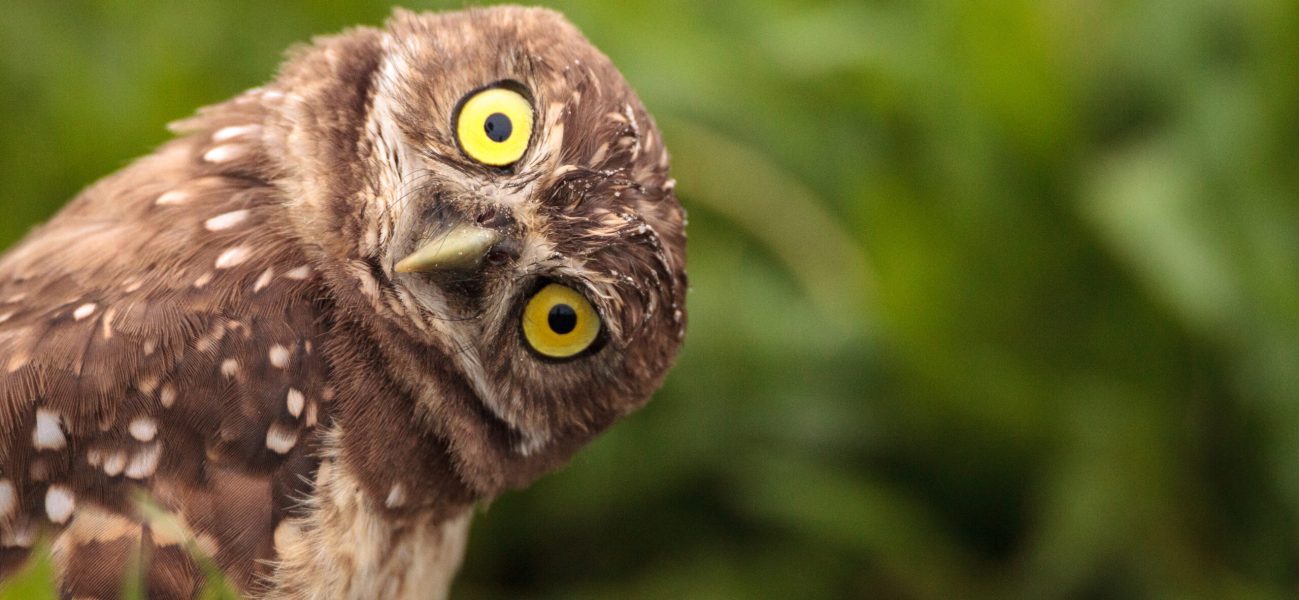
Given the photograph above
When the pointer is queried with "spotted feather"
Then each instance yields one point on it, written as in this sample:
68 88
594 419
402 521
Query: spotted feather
212 355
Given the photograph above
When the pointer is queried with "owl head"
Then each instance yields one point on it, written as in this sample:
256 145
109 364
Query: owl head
490 205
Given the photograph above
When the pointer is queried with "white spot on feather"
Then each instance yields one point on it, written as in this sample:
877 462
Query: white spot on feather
8 498
232 257
230 367
264 279
295 401
396 496
299 273
167 396
143 428
226 220
223 153
106 323
6 316
18 361
226 134
279 356
83 311
59 503
172 197
203 280
144 462
48 434
114 463
281 439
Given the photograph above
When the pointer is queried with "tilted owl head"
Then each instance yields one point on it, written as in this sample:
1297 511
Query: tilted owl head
424 265
511 219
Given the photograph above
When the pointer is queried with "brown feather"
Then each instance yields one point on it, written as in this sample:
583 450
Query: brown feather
218 327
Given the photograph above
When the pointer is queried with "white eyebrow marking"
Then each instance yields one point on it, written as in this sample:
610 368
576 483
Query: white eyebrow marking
59 503
48 434
226 220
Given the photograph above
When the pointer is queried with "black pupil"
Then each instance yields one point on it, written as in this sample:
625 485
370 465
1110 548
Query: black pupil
498 127
562 319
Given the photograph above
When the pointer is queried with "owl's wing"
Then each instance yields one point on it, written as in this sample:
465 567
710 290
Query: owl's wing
159 335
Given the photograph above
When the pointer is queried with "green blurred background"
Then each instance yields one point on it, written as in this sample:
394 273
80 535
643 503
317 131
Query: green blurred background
990 299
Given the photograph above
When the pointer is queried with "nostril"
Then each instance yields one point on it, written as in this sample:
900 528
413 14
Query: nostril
504 252
493 218
497 258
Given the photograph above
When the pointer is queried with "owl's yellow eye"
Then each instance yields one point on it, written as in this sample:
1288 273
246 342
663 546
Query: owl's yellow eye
558 322
494 126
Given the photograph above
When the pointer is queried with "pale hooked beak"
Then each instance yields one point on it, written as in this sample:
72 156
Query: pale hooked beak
459 248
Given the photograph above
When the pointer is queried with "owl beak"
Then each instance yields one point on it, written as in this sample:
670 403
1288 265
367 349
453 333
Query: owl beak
460 248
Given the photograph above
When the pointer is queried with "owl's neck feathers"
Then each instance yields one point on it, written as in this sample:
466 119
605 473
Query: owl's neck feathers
345 547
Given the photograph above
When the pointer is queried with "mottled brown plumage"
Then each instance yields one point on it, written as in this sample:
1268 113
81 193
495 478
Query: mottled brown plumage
211 352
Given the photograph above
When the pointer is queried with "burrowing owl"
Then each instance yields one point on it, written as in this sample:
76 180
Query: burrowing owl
304 339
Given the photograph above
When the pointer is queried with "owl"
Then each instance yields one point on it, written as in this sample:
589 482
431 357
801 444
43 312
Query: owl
301 342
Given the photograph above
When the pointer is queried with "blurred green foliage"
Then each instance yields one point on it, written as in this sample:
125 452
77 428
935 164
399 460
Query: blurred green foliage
990 299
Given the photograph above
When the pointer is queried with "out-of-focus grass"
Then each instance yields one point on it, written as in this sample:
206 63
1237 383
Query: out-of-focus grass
990 300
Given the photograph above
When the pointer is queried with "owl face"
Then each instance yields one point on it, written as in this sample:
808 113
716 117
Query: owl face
513 214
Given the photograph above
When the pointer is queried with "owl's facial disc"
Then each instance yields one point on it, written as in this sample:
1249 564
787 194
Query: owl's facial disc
530 235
